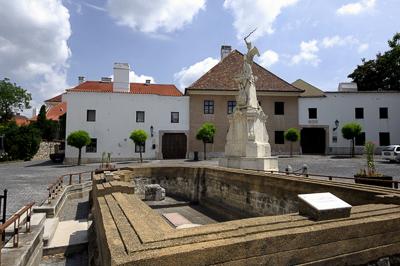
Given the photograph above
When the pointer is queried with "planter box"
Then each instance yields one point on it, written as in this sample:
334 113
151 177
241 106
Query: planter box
375 181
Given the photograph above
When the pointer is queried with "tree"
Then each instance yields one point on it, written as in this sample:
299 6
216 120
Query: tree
139 137
48 128
21 143
78 139
350 131
12 99
292 135
63 125
206 134
383 72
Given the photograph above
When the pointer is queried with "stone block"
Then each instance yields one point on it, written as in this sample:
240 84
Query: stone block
154 192
249 163
323 206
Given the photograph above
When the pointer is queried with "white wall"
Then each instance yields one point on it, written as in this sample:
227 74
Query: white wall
341 106
116 119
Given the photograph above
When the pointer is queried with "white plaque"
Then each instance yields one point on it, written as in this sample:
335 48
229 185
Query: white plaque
324 201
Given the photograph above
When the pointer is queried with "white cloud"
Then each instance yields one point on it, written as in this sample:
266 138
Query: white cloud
308 53
356 7
33 45
363 47
133 77
259 14
190 74
155 15
268 58
336 40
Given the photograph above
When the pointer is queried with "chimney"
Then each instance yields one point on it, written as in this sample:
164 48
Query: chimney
347 87
121 77
225 50
106 79
148 81
81 79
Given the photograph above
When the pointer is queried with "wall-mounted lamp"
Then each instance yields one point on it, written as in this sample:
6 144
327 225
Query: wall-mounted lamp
151 131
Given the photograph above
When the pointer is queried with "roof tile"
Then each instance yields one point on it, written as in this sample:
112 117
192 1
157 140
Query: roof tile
222 77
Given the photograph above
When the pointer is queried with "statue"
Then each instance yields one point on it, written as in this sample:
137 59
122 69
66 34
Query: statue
247 145
247 89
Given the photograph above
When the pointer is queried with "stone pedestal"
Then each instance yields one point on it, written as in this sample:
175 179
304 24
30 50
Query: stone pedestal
247 144
154 192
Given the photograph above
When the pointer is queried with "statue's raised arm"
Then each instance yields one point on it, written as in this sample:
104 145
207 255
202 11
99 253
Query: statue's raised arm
251 50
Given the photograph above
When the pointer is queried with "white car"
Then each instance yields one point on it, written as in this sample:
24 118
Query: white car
391 153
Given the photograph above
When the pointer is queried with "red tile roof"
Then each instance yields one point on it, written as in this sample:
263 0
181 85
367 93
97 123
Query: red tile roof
135 88
20 120
57 98
56 111
222 77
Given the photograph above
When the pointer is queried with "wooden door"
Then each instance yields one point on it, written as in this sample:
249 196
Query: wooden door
174 146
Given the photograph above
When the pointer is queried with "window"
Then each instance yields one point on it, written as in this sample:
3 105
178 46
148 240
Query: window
91 115
383 113
312 113
279 108
92 147
384 138
208 106
279 138
359 113
140 116
360 139
231 106
140 147
174 117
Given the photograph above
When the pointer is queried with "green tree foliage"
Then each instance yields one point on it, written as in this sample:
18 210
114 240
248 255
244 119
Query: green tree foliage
206 134
12 99
383 72
350 131
139 137
48 128
78 139
62 126
292 135
21 143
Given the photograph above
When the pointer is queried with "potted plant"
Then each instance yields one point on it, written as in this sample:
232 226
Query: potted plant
370 176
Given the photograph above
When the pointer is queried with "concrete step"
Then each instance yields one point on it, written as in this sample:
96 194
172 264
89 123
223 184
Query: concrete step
70 237
50 226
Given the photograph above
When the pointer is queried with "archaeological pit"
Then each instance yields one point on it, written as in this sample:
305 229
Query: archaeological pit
214 215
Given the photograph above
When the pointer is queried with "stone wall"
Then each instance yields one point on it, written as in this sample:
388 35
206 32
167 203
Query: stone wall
129 232
239 193
44 151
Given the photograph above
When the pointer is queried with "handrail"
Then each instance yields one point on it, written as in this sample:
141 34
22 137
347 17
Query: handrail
331 177
57 185
15 219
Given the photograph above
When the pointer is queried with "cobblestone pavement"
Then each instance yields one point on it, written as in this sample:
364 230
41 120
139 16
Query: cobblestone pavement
345 167
28 181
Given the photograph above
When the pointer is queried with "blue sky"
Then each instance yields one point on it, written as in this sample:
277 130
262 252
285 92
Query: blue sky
46 44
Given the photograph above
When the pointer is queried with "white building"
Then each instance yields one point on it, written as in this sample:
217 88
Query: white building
321 118
110 111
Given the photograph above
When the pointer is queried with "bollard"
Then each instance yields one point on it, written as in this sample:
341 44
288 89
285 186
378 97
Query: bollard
288 169
80 178
70 179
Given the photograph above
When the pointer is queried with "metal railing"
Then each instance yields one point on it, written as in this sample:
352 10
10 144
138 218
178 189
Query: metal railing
57 186
3 206
15 220
394 183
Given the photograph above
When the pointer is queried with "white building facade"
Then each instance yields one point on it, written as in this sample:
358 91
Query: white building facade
110 114
322 118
